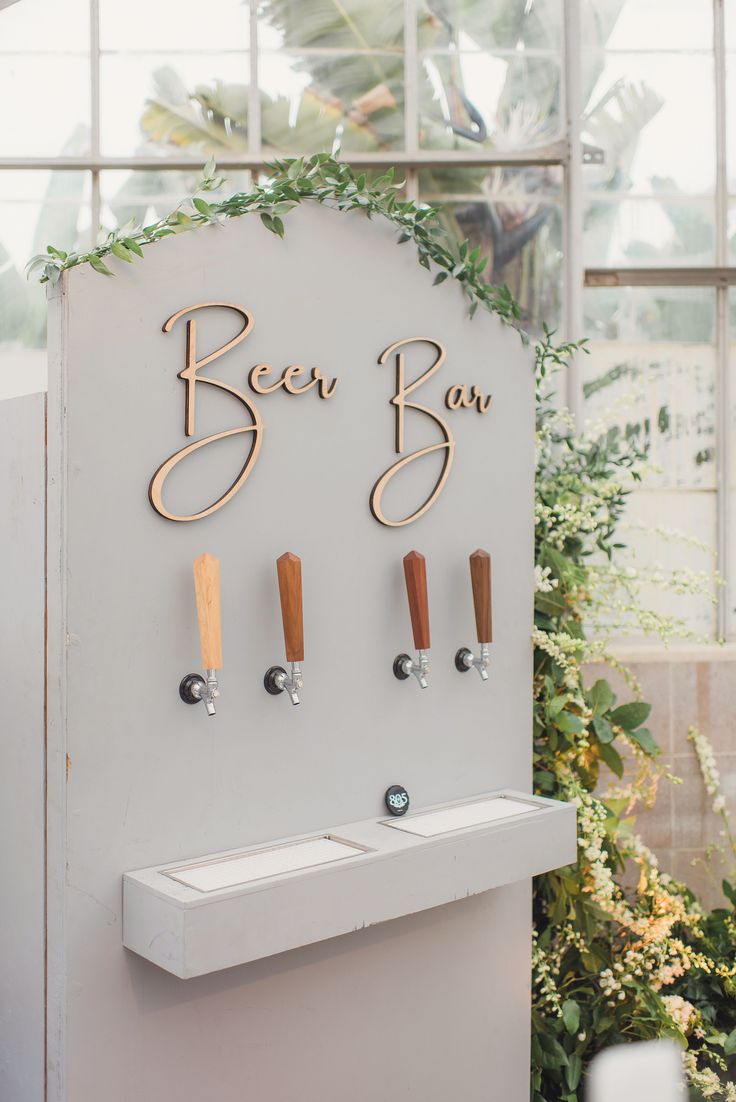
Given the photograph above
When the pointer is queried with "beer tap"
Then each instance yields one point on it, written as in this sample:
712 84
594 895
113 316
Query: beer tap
194 688
276 679
480 577
415 574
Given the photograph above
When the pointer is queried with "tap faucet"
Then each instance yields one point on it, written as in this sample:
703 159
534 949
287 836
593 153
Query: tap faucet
480 578
276 679
415 576
193 687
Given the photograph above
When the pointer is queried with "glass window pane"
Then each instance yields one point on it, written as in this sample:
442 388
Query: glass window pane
44 79
649 24
664 395
731 110
668 531
313 102
184 103
653 116
348 25
516 24
515 217
46 26
147 196
651 372
496 184
169 25
652 367
475 101
730 17
649 233
36 209
650 314
37 123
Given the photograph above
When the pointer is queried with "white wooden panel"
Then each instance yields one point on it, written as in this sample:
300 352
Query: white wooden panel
22 726
139 780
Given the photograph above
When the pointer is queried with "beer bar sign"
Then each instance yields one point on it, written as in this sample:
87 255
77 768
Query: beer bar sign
263 381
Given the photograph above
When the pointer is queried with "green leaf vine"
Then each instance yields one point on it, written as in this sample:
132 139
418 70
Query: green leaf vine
320 178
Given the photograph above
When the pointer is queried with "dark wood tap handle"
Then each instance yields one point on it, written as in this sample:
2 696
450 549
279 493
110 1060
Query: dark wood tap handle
480 577
289 569
415 572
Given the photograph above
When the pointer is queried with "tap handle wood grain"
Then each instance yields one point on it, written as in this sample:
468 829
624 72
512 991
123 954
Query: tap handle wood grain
207 595
480 577
289 569
415 573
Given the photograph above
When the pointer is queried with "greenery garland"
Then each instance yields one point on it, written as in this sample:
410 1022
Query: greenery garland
321 179
610 963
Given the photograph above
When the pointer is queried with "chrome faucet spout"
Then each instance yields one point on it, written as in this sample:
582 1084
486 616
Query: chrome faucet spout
294 683
209 692
465 660
405 666
277 681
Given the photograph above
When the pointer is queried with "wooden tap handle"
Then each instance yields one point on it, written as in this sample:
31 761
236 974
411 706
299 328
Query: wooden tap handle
289 569
415 572
480 577
207 594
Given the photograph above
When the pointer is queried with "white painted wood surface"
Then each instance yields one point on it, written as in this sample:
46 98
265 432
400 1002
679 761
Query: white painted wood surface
136 779
22 422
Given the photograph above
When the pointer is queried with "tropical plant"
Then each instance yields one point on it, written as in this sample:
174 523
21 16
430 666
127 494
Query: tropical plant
350 95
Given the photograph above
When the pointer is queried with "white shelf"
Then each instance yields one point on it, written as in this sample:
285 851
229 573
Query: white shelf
218 911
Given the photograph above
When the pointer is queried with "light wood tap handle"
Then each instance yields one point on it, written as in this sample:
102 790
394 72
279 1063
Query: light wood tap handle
207 594
289 568
480 577
415 573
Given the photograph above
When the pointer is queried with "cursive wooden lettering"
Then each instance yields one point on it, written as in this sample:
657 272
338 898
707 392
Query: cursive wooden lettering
193 380
400 403
457 397
325 387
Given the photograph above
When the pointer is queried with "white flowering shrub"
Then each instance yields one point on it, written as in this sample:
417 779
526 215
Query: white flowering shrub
613 960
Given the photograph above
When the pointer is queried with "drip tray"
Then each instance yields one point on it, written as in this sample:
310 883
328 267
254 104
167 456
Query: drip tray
212 911
429 824
244 868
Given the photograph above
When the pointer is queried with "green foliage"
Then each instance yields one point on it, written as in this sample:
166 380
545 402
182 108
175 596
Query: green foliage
318 179
621 951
